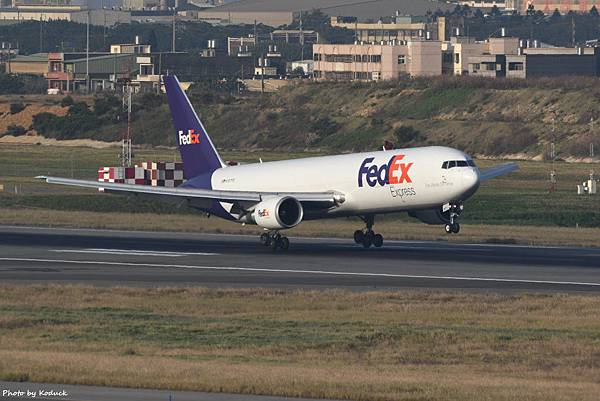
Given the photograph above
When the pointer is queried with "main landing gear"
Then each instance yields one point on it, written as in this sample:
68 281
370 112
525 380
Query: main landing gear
453 227
275 241
367 237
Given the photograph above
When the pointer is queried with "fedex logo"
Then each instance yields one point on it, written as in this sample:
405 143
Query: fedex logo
263 213
189 138
394 172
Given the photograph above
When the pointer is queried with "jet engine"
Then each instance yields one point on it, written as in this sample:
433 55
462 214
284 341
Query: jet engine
278 213
432 216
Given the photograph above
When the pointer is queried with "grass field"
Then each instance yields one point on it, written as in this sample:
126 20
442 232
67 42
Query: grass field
336 344
513 209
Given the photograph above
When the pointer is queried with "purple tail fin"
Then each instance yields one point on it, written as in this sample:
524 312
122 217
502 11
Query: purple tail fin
198 153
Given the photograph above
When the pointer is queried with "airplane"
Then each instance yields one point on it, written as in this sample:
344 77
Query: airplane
429 183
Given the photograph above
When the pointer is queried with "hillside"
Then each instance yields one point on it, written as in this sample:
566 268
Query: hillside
483 117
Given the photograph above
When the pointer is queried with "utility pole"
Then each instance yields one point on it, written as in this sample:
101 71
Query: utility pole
41 33
126 143
87 53
9 54
573 31
104 27
174 22
301 38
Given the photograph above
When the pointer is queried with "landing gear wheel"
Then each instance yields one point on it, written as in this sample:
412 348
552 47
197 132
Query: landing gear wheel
367 240
358 236
265 239
448 229
284 243
455 228
378 240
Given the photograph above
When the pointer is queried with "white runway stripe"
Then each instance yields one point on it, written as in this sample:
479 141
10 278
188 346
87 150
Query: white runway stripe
314 272
134 252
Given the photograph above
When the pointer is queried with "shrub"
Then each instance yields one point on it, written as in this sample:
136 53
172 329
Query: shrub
150 100
16 108
15 130
405 134
66 101
324 127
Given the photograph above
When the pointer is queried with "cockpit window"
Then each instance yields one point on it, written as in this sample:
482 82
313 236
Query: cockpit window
458 163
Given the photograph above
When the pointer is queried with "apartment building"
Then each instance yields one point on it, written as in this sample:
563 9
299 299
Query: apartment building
386 60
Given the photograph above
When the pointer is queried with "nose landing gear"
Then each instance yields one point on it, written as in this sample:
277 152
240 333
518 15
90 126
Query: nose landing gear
275 241
455 211
367 237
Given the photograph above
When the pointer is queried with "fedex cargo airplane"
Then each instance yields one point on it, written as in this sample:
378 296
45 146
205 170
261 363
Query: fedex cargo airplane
429 183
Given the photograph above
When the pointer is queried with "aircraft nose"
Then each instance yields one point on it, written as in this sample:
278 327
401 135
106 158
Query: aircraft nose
470 180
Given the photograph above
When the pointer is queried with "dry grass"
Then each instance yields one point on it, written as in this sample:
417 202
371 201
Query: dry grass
336 344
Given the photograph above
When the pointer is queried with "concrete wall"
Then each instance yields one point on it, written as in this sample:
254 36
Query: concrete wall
425 58
504 45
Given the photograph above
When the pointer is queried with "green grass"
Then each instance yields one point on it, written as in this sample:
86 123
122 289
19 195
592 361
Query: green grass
516 199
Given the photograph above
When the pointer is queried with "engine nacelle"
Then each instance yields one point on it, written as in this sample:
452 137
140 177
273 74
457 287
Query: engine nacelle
278 213
432 216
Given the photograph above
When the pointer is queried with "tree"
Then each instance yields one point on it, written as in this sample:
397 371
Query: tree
555 15
530 10
594 12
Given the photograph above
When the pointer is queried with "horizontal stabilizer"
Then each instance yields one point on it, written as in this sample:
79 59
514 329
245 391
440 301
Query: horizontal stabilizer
497 171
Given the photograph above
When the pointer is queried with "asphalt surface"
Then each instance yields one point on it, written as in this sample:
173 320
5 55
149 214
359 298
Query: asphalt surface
35 255
11 391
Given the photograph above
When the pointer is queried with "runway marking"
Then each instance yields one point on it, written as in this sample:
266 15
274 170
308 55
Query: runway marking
133 252
316 272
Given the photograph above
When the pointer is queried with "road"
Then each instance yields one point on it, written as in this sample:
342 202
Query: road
37 255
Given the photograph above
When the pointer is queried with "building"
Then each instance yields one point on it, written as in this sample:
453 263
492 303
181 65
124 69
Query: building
34 64
283 12
399 28
484 5
507 57
104 17
307 67
131 48
377 61
70 72
241 47
548 6
460 49
294 36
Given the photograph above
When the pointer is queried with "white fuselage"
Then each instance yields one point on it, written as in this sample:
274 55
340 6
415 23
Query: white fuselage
394 180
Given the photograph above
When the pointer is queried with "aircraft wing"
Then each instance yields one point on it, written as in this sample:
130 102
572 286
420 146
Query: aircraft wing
325 198
497 171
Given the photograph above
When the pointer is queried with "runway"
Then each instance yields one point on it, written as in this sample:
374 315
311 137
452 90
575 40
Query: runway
38 255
